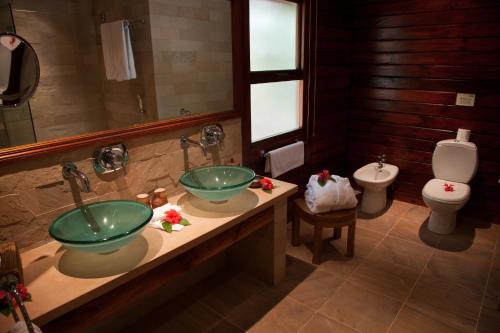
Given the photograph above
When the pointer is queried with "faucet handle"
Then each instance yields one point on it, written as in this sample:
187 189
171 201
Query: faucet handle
109 159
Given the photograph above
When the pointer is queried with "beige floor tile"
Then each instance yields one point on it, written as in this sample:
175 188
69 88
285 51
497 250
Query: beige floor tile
253 309
466 270
296 272
469 237
385 277
224 327
181 314
489 321
361 309
222 293
381 224
403 253
493 288
315 290
414 232
417 214
322 324
365 242
410 320
458 306
398 208
286 316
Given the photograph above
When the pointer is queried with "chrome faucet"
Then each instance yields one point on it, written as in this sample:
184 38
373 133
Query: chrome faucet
210 135
185 142
381 161
70 171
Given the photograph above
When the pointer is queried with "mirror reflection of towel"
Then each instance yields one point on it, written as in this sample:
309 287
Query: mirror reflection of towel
12 92
117 51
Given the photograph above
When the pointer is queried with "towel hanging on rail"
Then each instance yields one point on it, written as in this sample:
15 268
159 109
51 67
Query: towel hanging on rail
284 159
117 51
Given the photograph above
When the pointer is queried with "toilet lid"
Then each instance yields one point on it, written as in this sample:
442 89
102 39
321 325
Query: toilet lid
435 190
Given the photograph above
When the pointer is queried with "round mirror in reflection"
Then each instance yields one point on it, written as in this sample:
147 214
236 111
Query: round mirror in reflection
19 70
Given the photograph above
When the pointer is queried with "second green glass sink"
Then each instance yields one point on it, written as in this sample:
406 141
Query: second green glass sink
217 183
101 227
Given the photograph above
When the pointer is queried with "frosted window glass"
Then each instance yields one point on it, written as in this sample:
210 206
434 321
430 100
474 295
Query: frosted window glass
273 35
276 108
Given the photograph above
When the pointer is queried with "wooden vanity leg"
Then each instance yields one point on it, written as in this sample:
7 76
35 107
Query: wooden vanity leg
296 229
318 243
337 233
279 240
351 230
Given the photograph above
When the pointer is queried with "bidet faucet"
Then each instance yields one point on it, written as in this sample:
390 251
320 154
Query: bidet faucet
69 171
381 161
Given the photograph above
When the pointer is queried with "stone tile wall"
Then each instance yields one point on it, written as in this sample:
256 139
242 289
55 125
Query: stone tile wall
68 100
33 193
192 55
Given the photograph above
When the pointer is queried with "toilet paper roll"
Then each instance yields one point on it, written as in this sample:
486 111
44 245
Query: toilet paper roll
463 135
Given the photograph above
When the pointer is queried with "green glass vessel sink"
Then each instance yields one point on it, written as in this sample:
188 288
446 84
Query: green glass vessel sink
101 227
217 183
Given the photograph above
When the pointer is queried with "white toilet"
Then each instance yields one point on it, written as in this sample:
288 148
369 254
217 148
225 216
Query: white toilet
453 163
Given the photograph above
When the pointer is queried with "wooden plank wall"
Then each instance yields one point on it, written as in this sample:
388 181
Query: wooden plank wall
332 79
409 60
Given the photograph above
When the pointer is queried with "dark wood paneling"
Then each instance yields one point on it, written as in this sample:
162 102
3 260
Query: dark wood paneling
328 135
410 58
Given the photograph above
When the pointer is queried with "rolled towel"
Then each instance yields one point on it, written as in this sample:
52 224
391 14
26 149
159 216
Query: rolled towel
334 195
20 327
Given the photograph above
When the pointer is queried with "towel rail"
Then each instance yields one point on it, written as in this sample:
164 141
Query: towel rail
128 22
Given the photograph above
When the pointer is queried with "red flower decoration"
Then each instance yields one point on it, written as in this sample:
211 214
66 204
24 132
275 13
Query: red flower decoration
324 176
267 184
4 304
173 217
448 187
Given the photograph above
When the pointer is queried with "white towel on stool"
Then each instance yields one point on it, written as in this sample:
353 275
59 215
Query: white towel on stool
284 159
117 51
332 196
20 327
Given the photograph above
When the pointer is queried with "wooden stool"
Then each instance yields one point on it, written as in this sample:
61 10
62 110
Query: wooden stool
335 220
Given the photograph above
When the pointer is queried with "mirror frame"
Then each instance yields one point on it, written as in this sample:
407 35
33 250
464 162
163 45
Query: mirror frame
39 149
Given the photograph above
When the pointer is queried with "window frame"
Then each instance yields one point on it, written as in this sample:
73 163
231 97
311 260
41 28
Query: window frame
283 75
243 78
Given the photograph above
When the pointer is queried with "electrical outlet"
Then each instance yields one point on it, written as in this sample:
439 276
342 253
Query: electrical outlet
465 99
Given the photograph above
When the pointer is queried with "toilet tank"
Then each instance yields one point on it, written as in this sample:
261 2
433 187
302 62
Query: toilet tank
455 161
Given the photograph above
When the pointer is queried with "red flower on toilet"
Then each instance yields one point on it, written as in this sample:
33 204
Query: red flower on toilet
448 187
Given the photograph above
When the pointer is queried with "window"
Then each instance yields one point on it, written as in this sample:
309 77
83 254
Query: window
276 77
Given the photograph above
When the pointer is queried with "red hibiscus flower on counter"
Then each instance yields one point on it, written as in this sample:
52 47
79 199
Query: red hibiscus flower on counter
173 217
267 185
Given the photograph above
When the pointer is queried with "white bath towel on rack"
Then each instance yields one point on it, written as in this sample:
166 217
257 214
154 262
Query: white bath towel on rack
284 159
117 51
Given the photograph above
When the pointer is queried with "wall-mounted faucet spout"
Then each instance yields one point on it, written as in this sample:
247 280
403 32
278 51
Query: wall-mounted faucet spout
185 142
70 171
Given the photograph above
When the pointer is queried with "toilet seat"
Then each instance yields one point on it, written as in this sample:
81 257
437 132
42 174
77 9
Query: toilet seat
434 190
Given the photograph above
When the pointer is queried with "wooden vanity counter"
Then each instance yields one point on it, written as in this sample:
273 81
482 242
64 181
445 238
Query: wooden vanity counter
63 281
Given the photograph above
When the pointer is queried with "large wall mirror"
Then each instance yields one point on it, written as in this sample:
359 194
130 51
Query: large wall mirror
116 64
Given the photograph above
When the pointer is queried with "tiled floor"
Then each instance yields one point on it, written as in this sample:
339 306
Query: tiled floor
403 278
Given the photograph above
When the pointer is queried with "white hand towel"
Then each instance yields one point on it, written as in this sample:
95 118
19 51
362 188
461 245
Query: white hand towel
20 327
334 195
284 159
117 51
